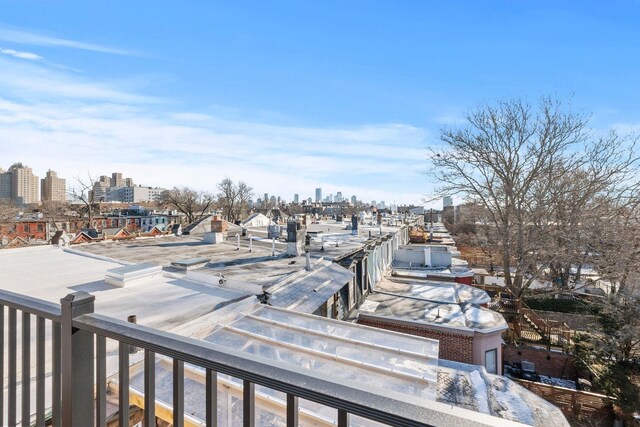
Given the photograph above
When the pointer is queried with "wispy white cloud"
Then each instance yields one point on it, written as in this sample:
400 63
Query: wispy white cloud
22 55
627 128
29 79
74 125
37 39
453 119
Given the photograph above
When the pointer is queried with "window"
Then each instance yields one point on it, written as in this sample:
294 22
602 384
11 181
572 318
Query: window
491 361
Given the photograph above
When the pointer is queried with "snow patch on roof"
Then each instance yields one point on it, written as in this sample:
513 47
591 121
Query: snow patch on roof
480 391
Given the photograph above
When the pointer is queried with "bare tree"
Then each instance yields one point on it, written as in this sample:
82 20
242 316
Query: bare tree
579 194
474 230
613 347
83 190
536 172
57 212
233 199
194 204
8 211
243 195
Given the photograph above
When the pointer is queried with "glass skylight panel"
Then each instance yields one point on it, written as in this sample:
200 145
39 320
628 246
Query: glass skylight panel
391 340
349 352
335 370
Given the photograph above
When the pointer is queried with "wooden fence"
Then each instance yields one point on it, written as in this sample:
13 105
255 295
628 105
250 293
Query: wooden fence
580 406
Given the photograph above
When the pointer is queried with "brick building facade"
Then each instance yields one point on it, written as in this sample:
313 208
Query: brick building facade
27 230
460 344
453 346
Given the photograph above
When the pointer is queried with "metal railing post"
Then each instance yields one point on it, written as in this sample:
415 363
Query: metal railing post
77 357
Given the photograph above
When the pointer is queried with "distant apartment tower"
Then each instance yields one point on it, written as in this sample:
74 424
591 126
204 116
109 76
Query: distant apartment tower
339 197
318 195
52 188
354 199
20 185
117 180
99 190
5 185
296 199
133 194
447 201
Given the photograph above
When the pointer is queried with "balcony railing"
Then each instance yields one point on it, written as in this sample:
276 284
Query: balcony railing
78 389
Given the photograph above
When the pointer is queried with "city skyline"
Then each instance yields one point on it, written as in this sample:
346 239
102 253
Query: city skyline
55 188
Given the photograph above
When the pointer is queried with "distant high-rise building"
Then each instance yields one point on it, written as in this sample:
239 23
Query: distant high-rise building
5 185
128 182
447 201
52 188
117 180
354 200
309 200
24 185
296 199
318 195
99 191
133 194
339 197
330 198
105 180
382 205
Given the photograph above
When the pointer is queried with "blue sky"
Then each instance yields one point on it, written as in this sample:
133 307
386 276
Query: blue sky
289 96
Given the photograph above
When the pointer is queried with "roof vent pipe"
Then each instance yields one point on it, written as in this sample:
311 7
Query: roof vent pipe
308 266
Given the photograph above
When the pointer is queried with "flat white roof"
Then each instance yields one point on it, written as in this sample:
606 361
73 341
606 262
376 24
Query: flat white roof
384 362
445 292
168 302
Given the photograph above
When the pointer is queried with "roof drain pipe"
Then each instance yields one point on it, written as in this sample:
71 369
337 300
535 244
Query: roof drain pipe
308 266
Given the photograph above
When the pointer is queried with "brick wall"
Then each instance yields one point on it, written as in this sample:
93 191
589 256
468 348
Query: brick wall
548 363
453 346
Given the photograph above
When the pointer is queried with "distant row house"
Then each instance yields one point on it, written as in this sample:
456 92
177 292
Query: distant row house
135 218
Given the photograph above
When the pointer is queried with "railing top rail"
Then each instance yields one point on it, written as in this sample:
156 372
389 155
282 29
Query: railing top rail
279 376
31 305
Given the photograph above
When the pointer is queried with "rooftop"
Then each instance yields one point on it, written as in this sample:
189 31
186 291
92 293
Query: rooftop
434 303
389 363
228 314
444 292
